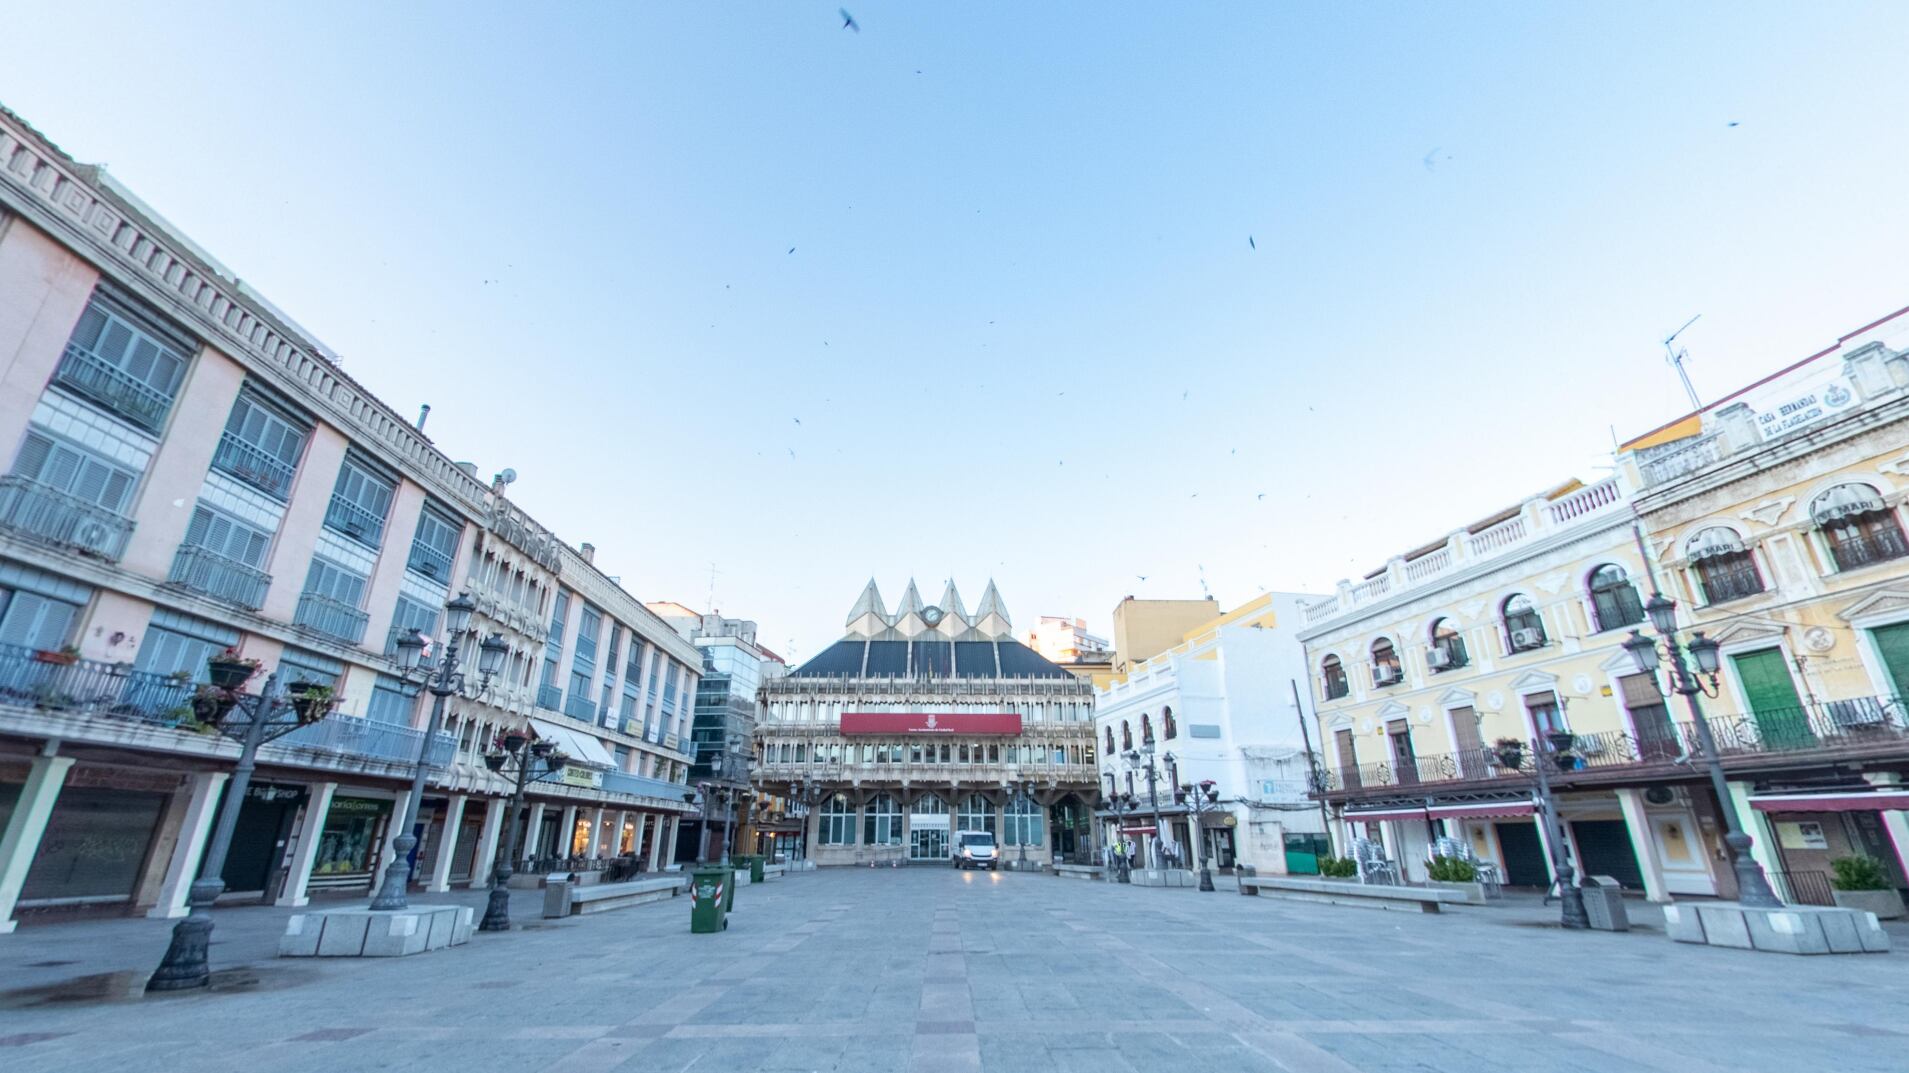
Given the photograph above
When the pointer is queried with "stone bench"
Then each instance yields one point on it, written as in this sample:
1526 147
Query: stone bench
601 897
361 932
774 871
1078 871
1351 892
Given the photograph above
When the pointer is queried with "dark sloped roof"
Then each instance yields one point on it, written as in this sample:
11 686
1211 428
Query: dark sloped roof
929 659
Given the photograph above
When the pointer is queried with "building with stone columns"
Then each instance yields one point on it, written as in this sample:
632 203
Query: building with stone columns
928 721
182 470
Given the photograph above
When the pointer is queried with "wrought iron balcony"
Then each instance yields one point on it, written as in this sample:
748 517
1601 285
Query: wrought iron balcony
333 618
642 786
550 697
208 573
55 682
430 562
577 707
352 736
354 521
107 384
49 516
1878 546
253 466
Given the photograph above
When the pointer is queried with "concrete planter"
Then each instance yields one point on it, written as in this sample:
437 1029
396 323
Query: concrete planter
1886 904
1473 893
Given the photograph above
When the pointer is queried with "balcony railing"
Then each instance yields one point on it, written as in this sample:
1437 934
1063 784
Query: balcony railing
208 573
577 707
46 515
330 617
1854 723
253 466
430 562
625 783
110 386
352 736
550 698
33 679
1868 549
1683 461
354 521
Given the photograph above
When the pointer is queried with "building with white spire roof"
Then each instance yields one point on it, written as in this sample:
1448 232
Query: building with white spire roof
924 723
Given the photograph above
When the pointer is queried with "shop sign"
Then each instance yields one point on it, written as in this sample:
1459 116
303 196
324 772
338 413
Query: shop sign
359 806
267 791
1800 401
573 775
931 723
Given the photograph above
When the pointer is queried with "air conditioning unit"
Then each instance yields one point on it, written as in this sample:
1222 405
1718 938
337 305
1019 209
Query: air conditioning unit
1438 658
1386 676
1523 639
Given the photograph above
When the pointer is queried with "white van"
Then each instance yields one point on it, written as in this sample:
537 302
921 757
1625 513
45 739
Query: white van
976 849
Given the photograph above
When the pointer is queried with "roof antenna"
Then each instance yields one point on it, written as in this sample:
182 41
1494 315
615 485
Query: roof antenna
1677 359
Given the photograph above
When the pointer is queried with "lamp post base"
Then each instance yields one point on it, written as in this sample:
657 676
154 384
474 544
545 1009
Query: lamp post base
1206 878
497 911
185 965
392 895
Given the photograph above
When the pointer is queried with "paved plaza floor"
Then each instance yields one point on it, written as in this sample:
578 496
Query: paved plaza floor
931 970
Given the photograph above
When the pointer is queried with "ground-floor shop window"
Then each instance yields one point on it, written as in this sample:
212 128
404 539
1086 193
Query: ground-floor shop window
95 846
349 836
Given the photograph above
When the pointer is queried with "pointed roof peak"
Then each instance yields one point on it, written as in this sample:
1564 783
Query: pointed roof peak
870 603
910 600
991 604
951 602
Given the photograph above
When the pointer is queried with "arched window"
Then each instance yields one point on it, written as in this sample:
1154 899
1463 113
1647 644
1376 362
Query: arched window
1614 602
1167 726
1524 630
1146 730
1725 569
1126 736
1023 821
881 822
1448 647
977 814
1332 675
836 826
1110 739
1386 668
1859 526
930 805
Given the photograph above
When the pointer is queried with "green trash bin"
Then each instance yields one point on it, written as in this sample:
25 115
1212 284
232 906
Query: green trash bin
755 868
729 887
710 890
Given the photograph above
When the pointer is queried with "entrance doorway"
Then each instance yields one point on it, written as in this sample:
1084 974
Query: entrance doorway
928 829
1524 855
1782 722
1604 848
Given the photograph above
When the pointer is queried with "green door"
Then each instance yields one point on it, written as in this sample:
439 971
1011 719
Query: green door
1892 642
1782 722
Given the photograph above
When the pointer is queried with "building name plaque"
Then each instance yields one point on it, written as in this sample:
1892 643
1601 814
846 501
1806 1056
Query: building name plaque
931 723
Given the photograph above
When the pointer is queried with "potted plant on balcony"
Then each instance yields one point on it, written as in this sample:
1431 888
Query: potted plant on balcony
209 705
1509 752
1456 873
311 701
229 670
1860 883
65 655
495 759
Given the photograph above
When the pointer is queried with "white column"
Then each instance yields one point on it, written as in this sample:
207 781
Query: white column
593 842
1545 832
391 833
202 808
533 832
25 828
1643 843
1763 840
487 843
617 822
567 832
299 876
447 844
668 845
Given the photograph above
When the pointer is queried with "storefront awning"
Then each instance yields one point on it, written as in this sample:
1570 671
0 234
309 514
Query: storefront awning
1147 830
1830 802
1476 811
582 748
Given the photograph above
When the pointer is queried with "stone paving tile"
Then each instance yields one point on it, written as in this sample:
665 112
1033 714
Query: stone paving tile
919 970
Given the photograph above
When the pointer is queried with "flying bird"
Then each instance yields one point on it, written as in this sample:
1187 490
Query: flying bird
1142 577
1733 122
848 21
1262 495
1250 242
1182 396
798 420
791 249
791 451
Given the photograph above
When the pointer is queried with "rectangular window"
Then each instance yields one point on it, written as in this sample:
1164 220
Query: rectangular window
359 502
299 665
434 547
409 617
126 366
335 583
177 643
30 620
260 447
68 468
392 701
227 537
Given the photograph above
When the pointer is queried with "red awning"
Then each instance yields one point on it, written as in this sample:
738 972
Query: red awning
1449 812
1831 802
1147 830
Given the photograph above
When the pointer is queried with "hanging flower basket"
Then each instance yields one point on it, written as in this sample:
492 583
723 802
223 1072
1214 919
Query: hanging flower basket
229 670
209 705
1561 740
514 741
495 761
311 701
1509 752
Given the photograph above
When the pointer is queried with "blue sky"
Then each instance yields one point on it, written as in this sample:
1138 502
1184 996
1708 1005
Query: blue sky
1022 326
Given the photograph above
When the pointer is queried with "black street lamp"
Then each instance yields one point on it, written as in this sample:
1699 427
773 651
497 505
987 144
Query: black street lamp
442 679
522 766
1134 760
1753 887
805 793
1570 898
1200 799
268 714
1120 804
1024 789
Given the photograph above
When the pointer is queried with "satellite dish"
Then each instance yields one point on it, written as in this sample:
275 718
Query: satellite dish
509 476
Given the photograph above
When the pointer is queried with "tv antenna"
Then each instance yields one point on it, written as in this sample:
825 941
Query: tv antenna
1677 359
711 605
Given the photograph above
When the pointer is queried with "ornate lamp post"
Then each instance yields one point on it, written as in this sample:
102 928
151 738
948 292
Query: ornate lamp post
522 766
1570 898
1120 805
1753 887
805 793
1024 789
266 715
442 679
1199 800
1134 760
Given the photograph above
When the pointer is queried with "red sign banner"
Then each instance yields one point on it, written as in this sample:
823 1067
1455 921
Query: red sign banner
931 723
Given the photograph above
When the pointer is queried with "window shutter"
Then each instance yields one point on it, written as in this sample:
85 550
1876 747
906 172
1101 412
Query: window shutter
1640 691
86 332
33 456
33 621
